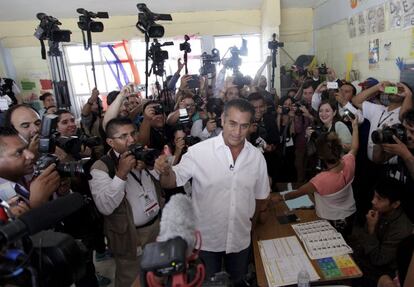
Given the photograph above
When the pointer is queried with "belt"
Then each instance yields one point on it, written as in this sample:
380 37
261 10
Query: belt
151 222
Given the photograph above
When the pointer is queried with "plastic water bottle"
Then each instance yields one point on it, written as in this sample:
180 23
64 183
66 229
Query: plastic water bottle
303 278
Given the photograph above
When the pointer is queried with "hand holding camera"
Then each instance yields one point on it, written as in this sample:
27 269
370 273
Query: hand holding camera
309 132
162 165
127 90
127 162
399 148
184 82
43 186
403 90
94 96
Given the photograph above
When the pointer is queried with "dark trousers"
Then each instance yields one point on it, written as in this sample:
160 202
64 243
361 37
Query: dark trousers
235 264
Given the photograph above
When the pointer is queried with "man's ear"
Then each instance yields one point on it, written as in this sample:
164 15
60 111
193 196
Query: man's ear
110 142
396 204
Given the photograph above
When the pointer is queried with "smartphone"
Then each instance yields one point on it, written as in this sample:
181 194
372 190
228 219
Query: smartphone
332 85
139 88
289 218
391 90
349 114
194 82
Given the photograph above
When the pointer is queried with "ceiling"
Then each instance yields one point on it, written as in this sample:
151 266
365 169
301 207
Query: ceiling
27 9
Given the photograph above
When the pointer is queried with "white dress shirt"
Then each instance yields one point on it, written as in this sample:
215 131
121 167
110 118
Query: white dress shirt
224 191
108 193
379 117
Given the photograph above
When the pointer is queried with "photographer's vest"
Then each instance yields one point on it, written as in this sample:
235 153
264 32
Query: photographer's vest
7 89
119 226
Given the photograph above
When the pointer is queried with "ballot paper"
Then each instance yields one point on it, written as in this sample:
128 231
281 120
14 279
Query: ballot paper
321 239
299 202
283 258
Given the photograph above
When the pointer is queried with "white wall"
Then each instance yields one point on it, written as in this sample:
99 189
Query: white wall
296 35
333 43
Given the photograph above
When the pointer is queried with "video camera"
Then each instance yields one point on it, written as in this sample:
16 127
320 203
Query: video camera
147 155
48 29
73 145
158 56
186 47
47 144
209 61
87 24
32 257
215 105
384 135
146 21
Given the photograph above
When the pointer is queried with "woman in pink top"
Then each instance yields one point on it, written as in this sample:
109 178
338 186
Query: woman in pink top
332 189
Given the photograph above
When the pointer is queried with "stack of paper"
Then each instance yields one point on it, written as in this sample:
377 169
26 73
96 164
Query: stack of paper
283 259
321 239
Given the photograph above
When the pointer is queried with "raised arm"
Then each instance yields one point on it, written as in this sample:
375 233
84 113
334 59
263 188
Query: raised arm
113 109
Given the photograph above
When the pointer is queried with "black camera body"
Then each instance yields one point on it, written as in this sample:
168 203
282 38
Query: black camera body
209 61
65 169
190 140
87 24
48 29
323 70
146 21
318 131
384 135
158 110
158 56
186 47
285 110
165 258
147 155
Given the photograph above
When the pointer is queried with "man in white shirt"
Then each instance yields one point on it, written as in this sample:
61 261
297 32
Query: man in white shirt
124 192
229 187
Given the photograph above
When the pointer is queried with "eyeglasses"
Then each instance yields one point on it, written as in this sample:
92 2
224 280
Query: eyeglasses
125 136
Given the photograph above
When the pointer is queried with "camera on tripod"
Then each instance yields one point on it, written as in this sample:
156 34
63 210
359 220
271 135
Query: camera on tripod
146 21
158 56
48 29
87 24
209 61
186 47
274 44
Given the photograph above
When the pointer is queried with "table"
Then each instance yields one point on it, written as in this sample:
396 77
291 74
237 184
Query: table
273 229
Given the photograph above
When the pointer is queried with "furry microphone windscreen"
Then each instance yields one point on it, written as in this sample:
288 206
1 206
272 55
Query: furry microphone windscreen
178 219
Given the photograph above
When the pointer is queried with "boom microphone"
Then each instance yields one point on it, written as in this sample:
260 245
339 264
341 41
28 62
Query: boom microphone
41 218
178 220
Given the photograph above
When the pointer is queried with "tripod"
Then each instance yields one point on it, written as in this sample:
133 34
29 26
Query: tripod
57 69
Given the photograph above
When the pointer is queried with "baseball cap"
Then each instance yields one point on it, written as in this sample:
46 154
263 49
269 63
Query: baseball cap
368 83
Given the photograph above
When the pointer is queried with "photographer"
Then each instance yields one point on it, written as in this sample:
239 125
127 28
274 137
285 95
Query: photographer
211 126
403 171
285 170
153 132
16 162
332 187
124 192
26 121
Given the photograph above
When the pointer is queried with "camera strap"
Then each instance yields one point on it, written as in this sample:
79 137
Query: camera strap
381 121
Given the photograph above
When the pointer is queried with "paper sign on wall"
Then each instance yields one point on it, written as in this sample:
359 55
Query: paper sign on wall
373 55
395 14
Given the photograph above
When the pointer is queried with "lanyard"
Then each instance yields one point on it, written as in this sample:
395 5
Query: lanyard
381 121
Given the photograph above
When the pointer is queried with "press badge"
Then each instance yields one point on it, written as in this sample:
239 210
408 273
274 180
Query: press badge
151 206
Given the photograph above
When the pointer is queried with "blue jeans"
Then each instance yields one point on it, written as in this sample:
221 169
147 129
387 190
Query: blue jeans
235 264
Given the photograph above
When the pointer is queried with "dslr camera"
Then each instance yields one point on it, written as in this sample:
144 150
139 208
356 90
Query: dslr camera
323 70
158 110
147 155
47 145
384 135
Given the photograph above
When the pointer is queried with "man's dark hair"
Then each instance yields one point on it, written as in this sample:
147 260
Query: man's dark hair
390 188
151 103
5 132
110 98
354 90
215 105
408 116
255 97
112 125
240 104
44 96
9 113
61 112
307 84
